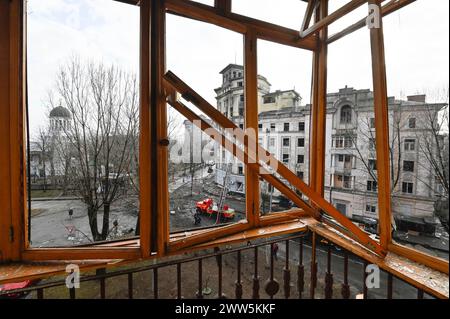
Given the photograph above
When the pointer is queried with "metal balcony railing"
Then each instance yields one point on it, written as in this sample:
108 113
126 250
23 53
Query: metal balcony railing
303 267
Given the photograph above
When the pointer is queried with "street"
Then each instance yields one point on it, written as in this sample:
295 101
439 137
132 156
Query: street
355 272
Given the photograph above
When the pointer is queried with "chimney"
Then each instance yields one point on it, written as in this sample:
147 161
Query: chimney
417 98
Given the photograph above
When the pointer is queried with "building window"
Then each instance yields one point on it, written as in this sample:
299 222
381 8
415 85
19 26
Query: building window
286 142
272 127
260 127
241 126
372 186
272 142
301 126
372 122
301 142
342 208
407 188
240 170
408 166
347 182
343 181
412 122
372 144
339 142
241 111
371 209
348 142
347 160
410 145
286 127
343 141
346 114
439 189
242 98
240 84
300 174
300 159
286 158
373 164
269 99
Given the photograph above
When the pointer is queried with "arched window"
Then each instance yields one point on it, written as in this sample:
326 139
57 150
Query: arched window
346 114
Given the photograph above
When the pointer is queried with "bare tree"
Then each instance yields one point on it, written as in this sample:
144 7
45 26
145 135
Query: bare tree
433 145
103 103
433 141
365 137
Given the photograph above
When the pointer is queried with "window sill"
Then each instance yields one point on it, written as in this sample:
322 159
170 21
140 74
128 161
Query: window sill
427 279
21 271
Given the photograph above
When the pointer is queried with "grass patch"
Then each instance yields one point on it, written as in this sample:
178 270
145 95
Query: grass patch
47 193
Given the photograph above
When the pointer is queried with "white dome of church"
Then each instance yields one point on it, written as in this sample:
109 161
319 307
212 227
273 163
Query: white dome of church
59 119
60 111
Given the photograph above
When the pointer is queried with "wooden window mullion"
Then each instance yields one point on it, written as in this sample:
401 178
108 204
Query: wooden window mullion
145 167
381 129
251 123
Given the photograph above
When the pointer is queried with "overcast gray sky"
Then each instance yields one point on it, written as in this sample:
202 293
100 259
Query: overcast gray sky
416 41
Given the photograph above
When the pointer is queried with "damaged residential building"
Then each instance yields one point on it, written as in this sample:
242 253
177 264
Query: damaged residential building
350 165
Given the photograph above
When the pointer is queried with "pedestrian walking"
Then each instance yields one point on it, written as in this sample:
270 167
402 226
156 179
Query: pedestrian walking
275 251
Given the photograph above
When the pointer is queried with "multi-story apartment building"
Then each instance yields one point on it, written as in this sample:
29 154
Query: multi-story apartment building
351 172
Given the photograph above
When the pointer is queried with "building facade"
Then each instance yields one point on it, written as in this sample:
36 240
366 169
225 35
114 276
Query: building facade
350 163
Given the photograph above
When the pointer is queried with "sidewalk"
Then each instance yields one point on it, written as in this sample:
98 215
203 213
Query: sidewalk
44 199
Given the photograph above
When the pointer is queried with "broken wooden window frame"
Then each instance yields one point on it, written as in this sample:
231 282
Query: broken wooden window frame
155 239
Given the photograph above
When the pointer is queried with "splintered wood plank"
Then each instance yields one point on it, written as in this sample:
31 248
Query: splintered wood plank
429 280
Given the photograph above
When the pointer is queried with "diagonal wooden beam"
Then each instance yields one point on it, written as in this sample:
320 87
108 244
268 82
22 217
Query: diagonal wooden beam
174 83
243 156
387 9
349 7
239 23
308 14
